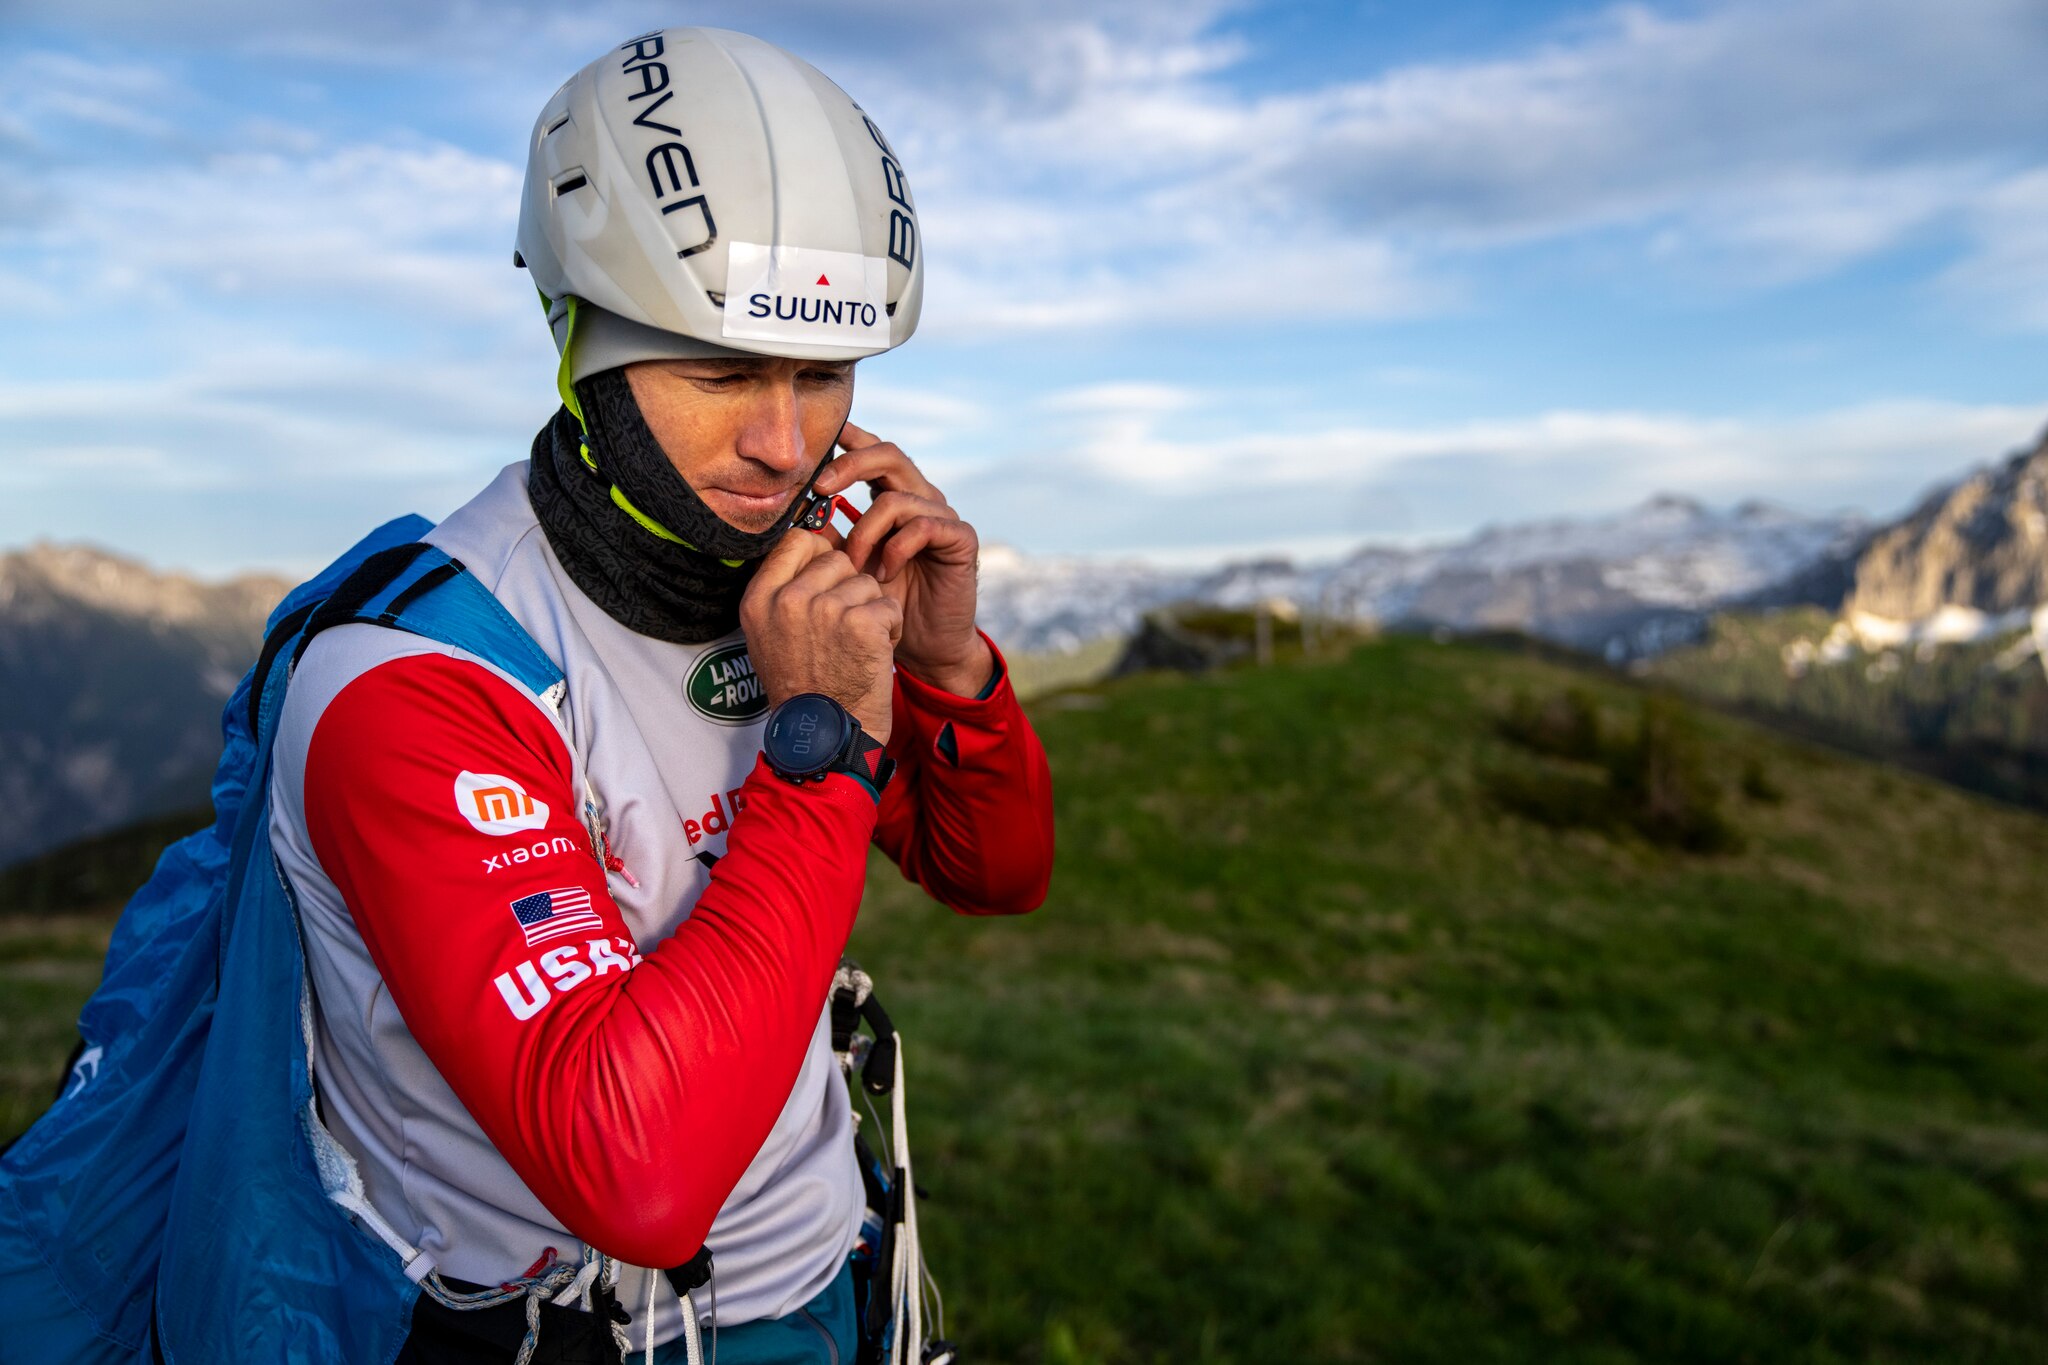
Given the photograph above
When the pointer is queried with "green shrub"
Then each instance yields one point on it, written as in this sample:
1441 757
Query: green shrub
1759 786
1566 726
1655 783
1561 800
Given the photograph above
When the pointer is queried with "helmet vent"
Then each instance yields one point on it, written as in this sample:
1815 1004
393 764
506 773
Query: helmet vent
574 180
556 126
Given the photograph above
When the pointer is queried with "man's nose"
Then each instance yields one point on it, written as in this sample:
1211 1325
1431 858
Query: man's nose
773 433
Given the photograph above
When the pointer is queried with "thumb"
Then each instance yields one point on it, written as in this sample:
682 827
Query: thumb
790 554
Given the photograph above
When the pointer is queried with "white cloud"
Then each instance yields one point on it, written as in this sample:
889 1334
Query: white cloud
422 231
315 446
1089 166
1125 399
257 455
49 89
1638 115
136 466
916 419
251 417
1766 141
1149 471
2007 275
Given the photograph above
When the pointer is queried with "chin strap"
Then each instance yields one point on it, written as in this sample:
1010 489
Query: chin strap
565 371
565 385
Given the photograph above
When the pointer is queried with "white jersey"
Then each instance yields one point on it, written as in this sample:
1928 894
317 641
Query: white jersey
661 736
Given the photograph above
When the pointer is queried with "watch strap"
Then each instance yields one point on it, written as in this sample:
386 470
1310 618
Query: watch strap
869 761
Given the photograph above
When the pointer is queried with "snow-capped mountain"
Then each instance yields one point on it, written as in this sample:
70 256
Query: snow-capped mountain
1035 604
1623 584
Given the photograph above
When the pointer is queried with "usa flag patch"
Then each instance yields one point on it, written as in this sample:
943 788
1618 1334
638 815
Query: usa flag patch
555 914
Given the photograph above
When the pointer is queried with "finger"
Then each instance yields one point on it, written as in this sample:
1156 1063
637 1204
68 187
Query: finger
949 540
881 465
787 557
884 613
829 569
852 591
852 437
889 511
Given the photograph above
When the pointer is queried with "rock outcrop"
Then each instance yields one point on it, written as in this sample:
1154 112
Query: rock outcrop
1981 544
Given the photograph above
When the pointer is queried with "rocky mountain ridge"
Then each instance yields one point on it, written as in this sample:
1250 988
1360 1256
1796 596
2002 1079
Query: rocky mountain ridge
119 673
1980 544
48 578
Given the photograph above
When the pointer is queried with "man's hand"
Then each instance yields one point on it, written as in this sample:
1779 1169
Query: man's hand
816 624
922 554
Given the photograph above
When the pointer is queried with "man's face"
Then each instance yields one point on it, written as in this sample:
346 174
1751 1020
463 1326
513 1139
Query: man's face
744 434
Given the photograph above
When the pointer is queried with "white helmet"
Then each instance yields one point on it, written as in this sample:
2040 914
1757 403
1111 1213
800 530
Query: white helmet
698 192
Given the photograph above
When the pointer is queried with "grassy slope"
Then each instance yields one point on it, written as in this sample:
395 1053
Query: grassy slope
48 966
1314 1055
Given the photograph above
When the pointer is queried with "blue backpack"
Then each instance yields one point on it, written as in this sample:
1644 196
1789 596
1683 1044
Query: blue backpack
181 1201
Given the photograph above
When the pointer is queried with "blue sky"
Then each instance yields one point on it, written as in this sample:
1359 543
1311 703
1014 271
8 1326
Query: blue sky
1206 278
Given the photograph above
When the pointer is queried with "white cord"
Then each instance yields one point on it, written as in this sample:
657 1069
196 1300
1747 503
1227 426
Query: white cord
647 1323
693 1343
938 1320
908 1271
693 1340
578 1289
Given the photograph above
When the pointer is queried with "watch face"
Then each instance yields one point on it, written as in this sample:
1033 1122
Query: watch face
804 735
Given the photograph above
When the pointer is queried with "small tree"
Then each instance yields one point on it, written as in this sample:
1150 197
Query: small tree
1660 778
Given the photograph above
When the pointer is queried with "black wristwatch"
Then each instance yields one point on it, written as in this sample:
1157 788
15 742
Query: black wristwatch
810 737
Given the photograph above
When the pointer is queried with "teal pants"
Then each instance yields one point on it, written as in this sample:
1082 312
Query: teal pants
822 1332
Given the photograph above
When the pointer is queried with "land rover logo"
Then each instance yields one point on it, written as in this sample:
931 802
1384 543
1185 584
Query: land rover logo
723 686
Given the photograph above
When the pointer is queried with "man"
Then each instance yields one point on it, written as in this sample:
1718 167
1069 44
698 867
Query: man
571 953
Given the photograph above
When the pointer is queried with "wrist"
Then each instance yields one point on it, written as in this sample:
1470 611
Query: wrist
811 737
965 676
872 711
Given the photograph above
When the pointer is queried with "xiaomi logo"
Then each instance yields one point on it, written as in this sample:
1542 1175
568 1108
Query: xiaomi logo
497 805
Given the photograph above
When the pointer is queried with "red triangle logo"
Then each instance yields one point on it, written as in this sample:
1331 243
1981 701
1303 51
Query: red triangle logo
823 280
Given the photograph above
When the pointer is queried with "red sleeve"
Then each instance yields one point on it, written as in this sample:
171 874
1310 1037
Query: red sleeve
968 816
629 1094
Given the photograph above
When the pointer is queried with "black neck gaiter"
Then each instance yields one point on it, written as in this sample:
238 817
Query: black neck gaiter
649 585
630 459
686 592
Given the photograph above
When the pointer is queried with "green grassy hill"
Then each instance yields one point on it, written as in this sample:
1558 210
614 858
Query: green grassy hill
1321 1052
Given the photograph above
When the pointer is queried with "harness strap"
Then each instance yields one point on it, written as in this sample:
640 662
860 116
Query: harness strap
424 591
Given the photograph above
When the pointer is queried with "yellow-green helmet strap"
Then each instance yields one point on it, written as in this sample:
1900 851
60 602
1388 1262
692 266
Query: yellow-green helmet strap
566 386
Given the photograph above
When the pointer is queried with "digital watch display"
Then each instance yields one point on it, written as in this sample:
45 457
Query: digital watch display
810 736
